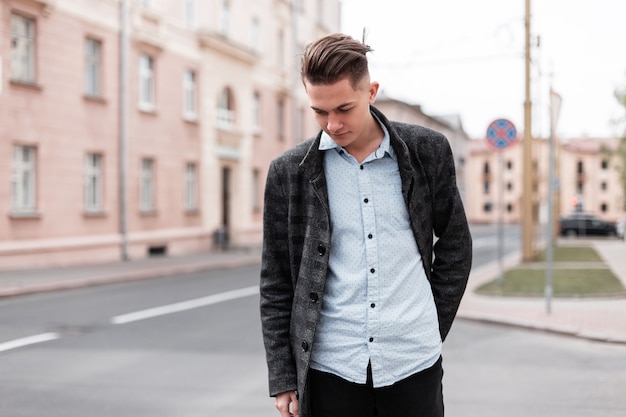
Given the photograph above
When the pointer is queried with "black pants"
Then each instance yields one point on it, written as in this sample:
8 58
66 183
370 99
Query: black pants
419 395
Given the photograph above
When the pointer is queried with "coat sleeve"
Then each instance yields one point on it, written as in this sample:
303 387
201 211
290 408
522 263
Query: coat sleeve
276 288
453 247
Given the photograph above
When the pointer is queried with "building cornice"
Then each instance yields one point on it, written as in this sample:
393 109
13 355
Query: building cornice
216 42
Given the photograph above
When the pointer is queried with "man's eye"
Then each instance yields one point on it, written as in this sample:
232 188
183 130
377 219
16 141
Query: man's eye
345 110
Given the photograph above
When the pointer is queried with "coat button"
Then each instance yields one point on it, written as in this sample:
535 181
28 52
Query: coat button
321 250
305 346
314 297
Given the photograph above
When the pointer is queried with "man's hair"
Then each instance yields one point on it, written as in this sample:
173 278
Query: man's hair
333 58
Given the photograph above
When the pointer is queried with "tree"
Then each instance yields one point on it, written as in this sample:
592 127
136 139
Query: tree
620 96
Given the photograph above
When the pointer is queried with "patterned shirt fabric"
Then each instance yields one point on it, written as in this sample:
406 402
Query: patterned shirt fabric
378 306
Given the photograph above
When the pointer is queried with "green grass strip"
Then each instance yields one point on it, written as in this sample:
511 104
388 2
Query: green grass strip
530 282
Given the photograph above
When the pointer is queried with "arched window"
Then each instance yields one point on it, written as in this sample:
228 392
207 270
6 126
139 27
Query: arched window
226 109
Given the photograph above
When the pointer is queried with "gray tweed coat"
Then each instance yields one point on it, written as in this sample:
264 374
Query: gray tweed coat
296 244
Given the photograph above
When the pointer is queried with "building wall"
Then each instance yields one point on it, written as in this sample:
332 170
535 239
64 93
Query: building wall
54 115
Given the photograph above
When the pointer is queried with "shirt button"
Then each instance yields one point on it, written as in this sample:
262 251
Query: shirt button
371 339
321 250
372 270
314 297
366 200
305 346
370 236
372 305
362 168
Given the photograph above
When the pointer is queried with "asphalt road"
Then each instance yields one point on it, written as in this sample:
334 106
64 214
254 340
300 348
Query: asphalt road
191 346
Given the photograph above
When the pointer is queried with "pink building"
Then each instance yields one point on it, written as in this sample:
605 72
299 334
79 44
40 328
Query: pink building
588 170
210 98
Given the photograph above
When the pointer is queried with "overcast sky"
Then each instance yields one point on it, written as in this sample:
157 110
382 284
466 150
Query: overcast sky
467 57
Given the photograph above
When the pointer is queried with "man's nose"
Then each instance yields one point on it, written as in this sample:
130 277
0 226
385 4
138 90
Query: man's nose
334 123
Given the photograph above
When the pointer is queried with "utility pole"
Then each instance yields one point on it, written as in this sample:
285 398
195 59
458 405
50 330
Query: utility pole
527 142
123 126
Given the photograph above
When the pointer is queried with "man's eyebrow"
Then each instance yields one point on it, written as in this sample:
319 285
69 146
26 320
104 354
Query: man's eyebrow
341 106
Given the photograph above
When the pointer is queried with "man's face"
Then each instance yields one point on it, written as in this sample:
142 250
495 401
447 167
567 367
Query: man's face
342 111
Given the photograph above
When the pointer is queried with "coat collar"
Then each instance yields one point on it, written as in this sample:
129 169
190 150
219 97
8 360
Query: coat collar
312 164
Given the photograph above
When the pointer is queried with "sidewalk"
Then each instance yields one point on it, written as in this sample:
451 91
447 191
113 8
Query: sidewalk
602 319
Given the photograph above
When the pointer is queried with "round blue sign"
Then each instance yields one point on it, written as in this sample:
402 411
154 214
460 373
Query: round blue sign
501 134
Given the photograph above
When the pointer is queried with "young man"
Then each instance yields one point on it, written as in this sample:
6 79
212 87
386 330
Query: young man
354 306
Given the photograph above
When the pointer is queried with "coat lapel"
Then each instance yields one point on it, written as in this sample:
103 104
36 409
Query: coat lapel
312 168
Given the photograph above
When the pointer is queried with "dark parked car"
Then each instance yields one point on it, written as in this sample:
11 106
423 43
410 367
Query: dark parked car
584 224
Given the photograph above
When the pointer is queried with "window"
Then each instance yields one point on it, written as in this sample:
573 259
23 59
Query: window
225 112
579 187
604 207
604 164
280 50
190 13
509 165
191 187
256 193
23 179
280 110
256 111
509 186
486 168
486 187
93 67
580 167
487 207
147 185
225 18
146 83
189 95
22 49
255 35
604 186
93 183
509 208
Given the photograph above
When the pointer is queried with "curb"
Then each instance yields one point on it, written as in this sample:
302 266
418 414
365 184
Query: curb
120 277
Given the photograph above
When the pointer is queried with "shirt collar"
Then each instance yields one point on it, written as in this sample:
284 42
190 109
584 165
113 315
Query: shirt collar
326 142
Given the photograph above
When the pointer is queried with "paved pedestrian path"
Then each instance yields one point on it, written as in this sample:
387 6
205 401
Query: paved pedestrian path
602 319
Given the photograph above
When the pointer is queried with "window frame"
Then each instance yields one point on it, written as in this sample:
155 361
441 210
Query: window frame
28 42
24 180
93 68
147 84
225 110
147 186
190 14
94 182
191 187
190 95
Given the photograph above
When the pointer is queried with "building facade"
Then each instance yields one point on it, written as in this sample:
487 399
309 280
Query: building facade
587 171
129 140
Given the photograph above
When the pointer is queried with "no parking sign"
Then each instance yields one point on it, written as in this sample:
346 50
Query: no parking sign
501 134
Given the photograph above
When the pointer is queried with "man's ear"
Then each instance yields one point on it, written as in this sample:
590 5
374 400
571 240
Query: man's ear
373 91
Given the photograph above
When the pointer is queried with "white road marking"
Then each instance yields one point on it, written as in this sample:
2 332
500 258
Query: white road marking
185 305
25 341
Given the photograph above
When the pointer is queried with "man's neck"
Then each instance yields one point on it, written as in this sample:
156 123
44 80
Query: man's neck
372 138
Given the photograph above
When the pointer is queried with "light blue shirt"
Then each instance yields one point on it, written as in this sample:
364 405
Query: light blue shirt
378 306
